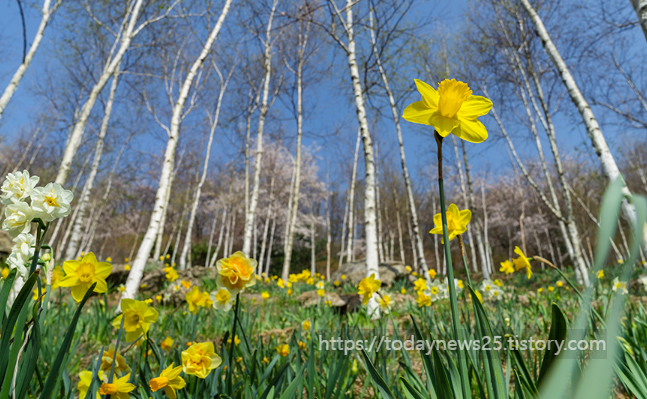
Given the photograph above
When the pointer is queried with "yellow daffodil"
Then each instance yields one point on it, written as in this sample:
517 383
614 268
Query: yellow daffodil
138 318
121 366
540 290
127 267
522 262
281 283
337 283
5 272
265 295
193 299
222 300
450 109
321 293
423 300
289 292
343 277
206 301
367 287
283 350
498 283
81 274
167 344
599 274
118 389
414 274
407 269
306 325
57 275
559 283
85 379
310 281
109 259
384 301
236 340
551 288
403 291
420 284
170 274
170 380
35 295
236 272
456 222
200 359
432 273
302 345
507 267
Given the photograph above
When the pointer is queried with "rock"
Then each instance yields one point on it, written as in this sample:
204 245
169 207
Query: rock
356 271
310 298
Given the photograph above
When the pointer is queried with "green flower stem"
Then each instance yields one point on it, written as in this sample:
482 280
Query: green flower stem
232 347
456 325
114 355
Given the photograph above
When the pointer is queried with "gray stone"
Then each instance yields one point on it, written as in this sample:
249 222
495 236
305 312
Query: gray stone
356 271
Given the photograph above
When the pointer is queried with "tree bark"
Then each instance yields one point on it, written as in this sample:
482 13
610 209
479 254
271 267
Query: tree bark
258 158
198 191
351 202
598 141
72 247
268 219
269 249
74 140
137 269
9 91
640 6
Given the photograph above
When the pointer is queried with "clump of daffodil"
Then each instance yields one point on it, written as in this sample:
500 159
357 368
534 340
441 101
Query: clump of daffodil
420 285
306 324
169 380
367 287
236 272
118 389
456 222
450 109
200 359
432 273
170 274
522 262
81 274
138 318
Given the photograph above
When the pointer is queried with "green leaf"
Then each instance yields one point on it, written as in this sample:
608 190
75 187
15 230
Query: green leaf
381 385
69 335
558 331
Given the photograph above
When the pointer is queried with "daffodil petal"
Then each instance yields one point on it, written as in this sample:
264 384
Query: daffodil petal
430 97
471 130
443 125
101 286
90 258
68 281
78 292
103 270
70 266
418 112
475 106
465 216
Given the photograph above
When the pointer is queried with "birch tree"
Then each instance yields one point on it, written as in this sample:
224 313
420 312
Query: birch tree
224 81
640 6
47 11
258 157
593 130
370 228
137 269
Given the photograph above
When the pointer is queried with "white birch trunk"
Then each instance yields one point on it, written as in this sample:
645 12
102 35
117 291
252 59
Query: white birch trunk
351 201
72 247
251 215
74 141
9 91
313 261
419 247
213 230
137 269
269 249
213 259
294 209
640 6
328 232
268 219
598 141
198 191
232 236
461 177
370 230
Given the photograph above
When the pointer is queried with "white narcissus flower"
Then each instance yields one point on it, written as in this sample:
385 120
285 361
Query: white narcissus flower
15 261
222 299
643 280
496 293
18 218
617 285
24 246
51 202
17 186
436 291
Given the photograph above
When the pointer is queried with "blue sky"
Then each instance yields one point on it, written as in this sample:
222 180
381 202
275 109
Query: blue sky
486 158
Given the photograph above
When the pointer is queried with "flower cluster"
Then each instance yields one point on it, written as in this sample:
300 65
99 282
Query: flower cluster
434 291
26 202
492 289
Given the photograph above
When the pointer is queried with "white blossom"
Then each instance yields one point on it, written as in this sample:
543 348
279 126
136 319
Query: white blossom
18 218
25 244
17 187
15 261
51 202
